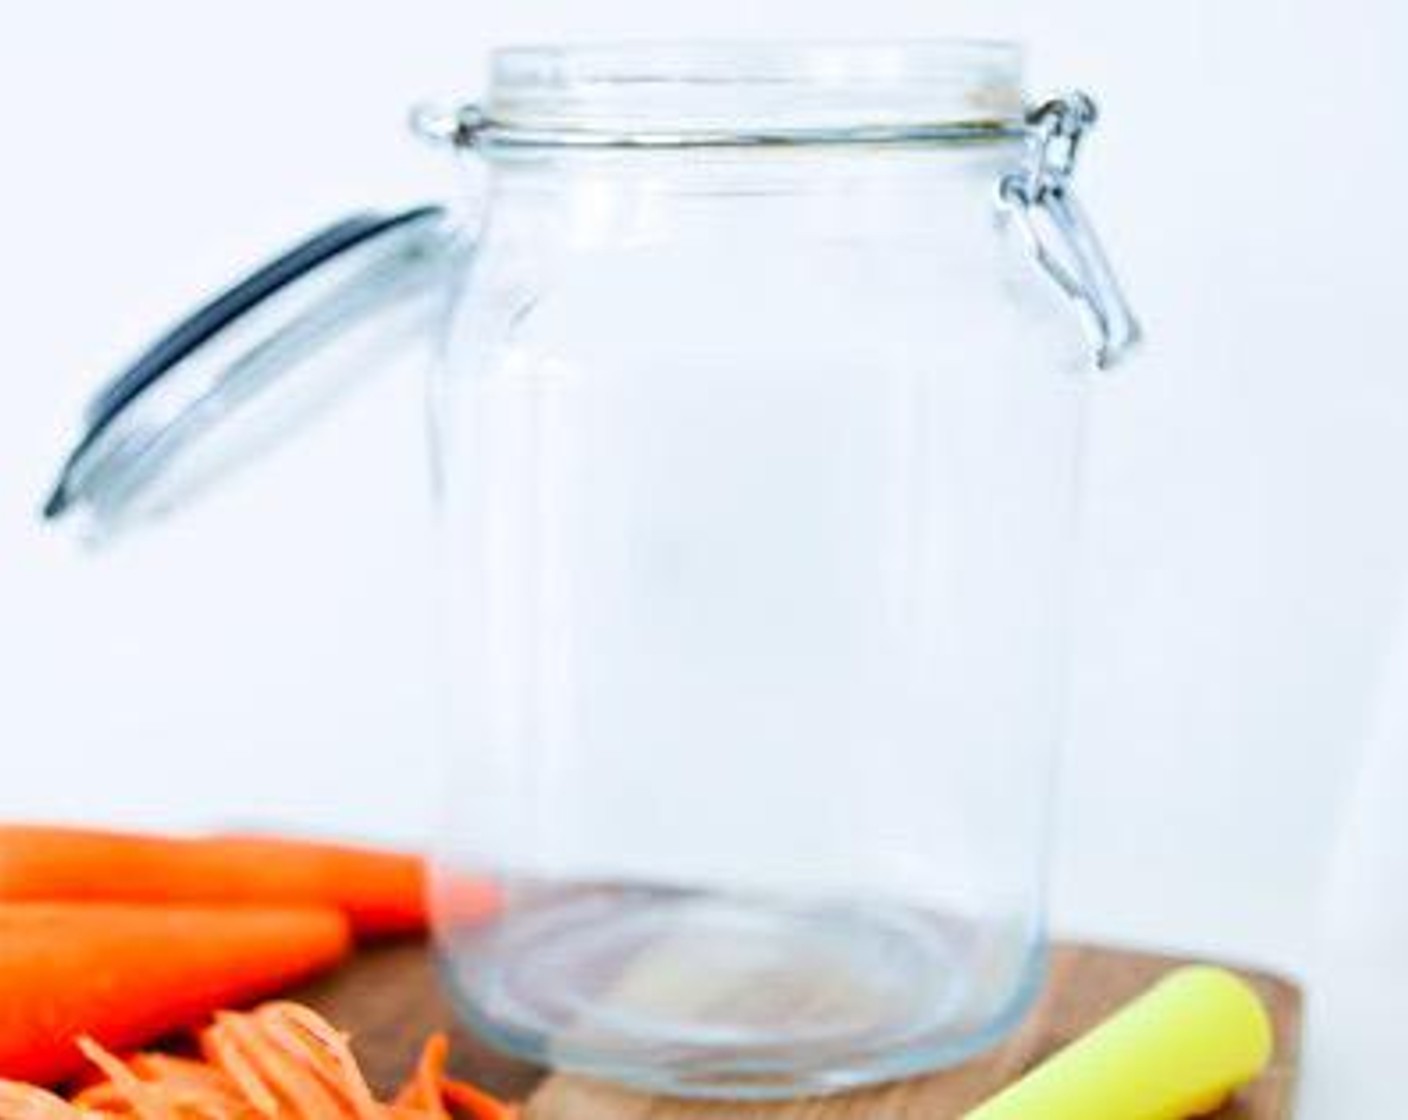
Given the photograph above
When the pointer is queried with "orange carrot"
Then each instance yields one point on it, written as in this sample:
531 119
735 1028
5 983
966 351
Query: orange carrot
158 1087
381 892
428 1091
475 1103
146 1102
280 1061
29 1102
127 974
421 1094
191 1085
308 1038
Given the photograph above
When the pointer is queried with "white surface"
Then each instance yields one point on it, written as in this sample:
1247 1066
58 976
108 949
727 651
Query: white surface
261 658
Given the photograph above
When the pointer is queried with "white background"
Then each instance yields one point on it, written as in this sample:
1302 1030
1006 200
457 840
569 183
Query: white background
1237 765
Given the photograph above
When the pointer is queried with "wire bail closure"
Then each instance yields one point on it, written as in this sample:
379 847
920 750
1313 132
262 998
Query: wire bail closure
1059 236
1037 197
448 126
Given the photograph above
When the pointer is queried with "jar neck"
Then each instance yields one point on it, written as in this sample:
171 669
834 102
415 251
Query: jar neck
653 197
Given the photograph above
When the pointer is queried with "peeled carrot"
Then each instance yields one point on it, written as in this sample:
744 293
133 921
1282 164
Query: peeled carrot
127 974
380 892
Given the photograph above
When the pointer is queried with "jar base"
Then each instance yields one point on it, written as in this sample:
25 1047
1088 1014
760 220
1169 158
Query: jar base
697 994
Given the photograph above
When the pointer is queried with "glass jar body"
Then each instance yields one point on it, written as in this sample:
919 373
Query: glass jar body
757 474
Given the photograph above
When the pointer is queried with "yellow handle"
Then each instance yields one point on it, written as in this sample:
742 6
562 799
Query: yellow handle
1177 1051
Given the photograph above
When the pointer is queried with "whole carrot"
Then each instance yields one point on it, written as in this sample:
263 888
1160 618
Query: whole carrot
127 974
380 892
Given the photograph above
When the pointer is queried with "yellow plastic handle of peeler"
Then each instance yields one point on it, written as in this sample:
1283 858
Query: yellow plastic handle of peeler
1178 1051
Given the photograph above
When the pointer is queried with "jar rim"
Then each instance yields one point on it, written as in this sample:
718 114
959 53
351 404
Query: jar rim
719 91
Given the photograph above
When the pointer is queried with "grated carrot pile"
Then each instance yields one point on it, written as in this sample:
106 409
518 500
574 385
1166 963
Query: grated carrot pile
280 1061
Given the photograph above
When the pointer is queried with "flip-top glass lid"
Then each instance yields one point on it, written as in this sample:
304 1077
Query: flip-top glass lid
243 367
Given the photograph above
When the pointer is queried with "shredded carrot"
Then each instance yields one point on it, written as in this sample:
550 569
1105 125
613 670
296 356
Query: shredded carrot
422 1092
429 1091
474 1102
146 1101
280 1061
222 1050
286 1075
325 1050
19 1101
192 1084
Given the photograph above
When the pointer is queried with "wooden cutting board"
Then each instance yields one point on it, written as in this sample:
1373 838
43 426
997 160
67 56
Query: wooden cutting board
389 999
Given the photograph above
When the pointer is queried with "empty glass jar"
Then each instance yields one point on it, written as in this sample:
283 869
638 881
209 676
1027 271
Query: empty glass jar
756 434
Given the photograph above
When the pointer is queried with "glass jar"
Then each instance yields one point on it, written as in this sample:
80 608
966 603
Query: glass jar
756 434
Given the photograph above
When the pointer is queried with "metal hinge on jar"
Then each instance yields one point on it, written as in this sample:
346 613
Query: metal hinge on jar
1043 206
